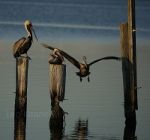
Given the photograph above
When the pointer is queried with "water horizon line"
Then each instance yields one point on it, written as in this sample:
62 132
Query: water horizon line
72 26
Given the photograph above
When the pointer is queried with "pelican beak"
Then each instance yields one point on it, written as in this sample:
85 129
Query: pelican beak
34 33
84 59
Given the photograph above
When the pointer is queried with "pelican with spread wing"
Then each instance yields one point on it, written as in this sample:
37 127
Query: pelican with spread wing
83 67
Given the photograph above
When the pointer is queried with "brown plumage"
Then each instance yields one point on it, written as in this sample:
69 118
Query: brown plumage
83 67
22 45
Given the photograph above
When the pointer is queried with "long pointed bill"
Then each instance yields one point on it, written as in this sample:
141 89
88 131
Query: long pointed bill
84 59
34 34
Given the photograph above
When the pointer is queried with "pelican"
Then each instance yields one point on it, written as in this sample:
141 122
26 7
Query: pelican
55 57
83 67
23 44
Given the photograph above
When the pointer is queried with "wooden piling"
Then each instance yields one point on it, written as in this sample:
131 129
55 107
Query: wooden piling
132 46
126 68
21 81
21 98
57 82
129 103
20 122
128 51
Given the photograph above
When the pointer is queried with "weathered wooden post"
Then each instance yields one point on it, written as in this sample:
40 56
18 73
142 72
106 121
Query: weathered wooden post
57 82
128 49
21 98
57 75
132 46
20 123
21 81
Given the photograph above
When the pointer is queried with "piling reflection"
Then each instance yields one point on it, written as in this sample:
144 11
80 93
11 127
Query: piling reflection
20 120
129 130
81 130
57 122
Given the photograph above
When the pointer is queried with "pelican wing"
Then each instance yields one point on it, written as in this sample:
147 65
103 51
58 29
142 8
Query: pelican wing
17 45
105 58
67 56
70 59
47 46
59 55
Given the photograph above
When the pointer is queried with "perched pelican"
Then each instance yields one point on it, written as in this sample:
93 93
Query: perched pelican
83 67
55 57
22 45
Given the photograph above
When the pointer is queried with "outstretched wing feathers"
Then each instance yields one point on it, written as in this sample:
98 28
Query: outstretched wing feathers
47 46
67 56
105 58
70 59
75 62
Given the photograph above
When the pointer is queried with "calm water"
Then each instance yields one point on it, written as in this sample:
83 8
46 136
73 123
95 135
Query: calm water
80 27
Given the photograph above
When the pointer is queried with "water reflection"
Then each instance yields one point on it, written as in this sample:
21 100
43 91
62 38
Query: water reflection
81 130
20 119
57 122
129 131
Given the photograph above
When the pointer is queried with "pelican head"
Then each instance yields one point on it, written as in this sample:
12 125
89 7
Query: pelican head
57 54
29 28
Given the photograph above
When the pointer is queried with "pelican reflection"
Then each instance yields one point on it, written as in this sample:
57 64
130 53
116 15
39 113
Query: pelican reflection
80 130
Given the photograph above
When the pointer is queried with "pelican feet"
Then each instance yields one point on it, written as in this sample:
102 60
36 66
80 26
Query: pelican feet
26 56
80 79
88 79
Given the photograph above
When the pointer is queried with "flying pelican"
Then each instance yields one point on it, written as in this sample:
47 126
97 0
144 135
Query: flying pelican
22 45
83 67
